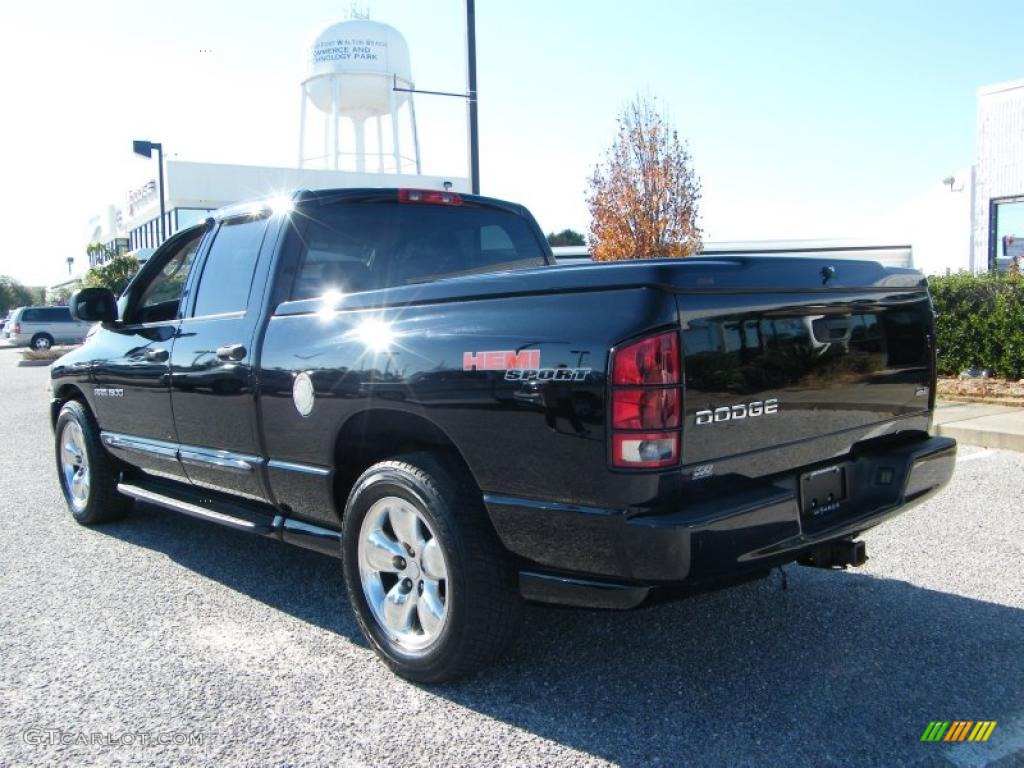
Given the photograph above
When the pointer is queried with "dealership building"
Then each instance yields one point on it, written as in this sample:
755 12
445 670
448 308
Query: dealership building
194 190
972 218
998 199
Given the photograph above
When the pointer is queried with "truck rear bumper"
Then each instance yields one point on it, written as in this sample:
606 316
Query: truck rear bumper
721 533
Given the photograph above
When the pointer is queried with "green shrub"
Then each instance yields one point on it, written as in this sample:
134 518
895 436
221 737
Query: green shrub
114 274
979 321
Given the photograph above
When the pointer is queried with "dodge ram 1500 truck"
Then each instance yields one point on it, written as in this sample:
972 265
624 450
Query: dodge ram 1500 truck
402 379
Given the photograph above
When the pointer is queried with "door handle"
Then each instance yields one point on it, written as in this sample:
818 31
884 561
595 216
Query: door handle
156 355
231 352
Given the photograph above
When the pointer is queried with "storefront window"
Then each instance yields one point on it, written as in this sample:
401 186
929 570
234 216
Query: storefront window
1008 229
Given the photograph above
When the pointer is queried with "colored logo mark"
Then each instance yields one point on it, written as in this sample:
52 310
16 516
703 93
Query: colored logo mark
958 730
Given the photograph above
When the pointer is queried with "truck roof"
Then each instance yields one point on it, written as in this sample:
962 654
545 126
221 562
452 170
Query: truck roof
353 194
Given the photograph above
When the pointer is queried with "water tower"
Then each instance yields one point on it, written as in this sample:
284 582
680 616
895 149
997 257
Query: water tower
354 68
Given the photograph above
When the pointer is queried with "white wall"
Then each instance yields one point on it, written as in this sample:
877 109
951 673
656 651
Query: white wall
936 224
1000 164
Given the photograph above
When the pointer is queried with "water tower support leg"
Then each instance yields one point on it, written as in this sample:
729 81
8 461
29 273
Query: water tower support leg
334 123
302 128
360 126
415 135
394 132
380 146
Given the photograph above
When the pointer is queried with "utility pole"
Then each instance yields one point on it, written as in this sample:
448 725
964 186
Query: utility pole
474 128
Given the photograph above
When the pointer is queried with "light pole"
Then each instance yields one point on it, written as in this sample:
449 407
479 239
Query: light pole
145 149
474 130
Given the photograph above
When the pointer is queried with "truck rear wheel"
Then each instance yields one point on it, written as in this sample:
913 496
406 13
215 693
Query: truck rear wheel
433 590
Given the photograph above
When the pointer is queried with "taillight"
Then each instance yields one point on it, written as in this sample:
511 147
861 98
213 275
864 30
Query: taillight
645 409
17 327
646 403
651 361
429 197
660 449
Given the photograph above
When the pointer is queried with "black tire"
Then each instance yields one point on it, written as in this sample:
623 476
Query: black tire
483 606
100 502
41 341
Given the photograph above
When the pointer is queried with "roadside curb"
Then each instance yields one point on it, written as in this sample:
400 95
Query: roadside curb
1004 401
33 363
982 436
984 425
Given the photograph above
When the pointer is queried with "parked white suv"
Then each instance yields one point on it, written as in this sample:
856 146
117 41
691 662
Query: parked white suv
42 327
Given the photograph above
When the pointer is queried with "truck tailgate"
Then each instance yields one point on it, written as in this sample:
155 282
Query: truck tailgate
773 366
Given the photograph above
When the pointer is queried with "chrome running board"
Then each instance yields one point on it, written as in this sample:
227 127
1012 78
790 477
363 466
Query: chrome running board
231 514
195 510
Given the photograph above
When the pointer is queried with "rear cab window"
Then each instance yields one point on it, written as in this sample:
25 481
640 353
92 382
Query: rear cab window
357 246
226 279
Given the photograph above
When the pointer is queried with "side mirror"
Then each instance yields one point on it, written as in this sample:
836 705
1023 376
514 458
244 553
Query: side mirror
93 305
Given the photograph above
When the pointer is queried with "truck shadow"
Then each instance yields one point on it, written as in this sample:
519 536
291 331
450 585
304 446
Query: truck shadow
751 675
303 583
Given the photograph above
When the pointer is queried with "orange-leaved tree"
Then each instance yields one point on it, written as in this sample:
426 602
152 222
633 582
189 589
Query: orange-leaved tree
643 197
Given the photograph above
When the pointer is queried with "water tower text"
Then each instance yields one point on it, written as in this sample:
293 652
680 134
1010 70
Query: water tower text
348 50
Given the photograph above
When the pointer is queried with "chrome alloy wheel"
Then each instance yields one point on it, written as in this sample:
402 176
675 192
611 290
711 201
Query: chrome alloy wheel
403 573
74 465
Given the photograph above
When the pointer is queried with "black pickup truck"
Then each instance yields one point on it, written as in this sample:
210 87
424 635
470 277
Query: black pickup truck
403 379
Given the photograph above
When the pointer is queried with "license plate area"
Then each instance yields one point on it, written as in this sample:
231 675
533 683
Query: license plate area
822 491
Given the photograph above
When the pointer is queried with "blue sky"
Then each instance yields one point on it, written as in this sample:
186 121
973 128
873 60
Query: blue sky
805 119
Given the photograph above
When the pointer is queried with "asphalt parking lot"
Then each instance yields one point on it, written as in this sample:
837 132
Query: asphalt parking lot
161 628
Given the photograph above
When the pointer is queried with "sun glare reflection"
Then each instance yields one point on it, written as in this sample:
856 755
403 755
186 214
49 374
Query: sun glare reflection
331 300
280 205
376 335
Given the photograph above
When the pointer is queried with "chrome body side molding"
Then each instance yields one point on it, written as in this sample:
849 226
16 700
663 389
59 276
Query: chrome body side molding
139 444
232 462
291 466
187 454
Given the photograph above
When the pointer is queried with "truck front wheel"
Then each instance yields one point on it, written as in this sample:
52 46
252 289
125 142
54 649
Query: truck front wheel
87 473
432 588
